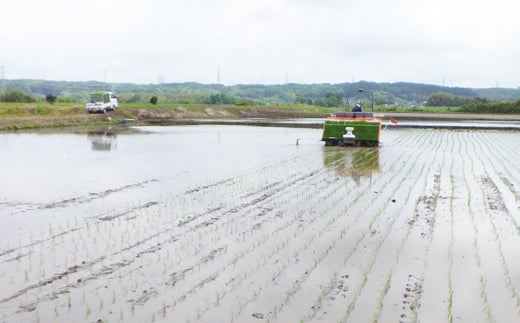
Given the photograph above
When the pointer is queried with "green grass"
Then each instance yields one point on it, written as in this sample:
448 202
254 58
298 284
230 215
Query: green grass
39 109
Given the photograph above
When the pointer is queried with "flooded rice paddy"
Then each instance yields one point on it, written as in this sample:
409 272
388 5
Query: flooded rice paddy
236 223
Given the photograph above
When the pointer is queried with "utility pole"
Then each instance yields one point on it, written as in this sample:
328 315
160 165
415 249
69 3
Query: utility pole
2 77
218 74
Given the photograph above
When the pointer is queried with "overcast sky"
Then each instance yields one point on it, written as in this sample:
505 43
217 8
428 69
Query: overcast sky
468 43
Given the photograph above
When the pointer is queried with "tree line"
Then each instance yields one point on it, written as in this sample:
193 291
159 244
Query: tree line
325 94
444 99
400 92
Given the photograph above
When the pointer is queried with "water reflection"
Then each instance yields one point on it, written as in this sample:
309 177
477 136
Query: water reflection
354 162
102 139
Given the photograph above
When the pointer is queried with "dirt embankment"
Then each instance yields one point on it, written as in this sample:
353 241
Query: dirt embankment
31 119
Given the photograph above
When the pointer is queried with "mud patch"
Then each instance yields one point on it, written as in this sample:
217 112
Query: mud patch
411 299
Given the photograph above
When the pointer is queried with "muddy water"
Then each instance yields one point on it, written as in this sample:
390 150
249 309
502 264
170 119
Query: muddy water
46 171
232 223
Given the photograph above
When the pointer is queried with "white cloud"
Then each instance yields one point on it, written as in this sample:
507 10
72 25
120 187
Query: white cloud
463 42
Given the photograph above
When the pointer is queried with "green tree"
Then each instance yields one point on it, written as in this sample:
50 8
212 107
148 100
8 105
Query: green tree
50 98
445 99
330 100
154 100
303 100
15 95
221 99
492 107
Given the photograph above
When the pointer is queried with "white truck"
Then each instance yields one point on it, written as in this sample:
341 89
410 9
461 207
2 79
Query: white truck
101 102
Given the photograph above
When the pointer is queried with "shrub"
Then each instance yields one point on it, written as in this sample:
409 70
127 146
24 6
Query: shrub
50 98
15 95
493 107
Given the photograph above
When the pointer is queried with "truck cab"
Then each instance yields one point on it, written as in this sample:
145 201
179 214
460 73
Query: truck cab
101 102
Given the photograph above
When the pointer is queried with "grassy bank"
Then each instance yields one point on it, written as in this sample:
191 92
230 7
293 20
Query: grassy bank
37 115
15 116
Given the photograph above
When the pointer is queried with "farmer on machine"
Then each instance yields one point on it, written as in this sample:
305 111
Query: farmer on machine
357 107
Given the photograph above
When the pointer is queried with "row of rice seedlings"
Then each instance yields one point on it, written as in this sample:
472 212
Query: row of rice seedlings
236 259
52 256
27 240
342 234
397 182
368 267
334 199
280 269
493 222
469 171
51 272
26 254
325 289
83 245
430 222
449 305
389 275
500 209
502 160
236 282
500 145
228 224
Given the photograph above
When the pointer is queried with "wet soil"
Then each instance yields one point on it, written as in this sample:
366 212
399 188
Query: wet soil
230 223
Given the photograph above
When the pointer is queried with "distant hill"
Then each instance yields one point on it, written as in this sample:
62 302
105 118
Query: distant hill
400 92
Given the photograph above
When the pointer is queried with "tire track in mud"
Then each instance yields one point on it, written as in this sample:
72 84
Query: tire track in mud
35 243
71 230
78 199
127 212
